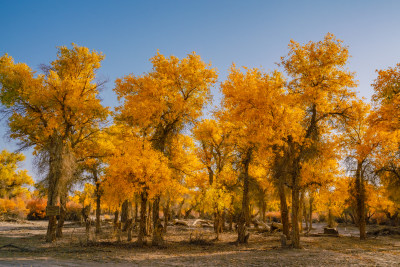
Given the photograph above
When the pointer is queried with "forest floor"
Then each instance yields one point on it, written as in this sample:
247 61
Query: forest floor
22 244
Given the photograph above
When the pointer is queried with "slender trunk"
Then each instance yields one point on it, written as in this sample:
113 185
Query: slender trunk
305 216
98 212
63 211
301 204
295 206
284 209
218 223
98 199
166 215
87 227
125 211
330 219
360 193
116 219
136 210
244 215
311 210
129 228
263 210
210 175
230 226
143 219
149 223
180 209
157 226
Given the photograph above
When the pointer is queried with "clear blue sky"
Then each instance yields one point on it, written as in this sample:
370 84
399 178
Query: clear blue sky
248 33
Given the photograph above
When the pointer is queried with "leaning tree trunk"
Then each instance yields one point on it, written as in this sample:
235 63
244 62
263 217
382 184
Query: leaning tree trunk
143 219
360 195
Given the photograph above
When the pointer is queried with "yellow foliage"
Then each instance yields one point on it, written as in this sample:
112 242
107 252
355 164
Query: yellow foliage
11 179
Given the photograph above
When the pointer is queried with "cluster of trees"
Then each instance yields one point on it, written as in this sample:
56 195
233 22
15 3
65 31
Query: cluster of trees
301 136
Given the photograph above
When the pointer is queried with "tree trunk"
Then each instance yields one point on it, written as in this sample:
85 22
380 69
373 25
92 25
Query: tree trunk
98 199
51 229
218 228
311 210
301 204
136 210
263 210
116 220
55 166
63 211
295 205
157 226
125 211
305 217
284 209
143 219
98 212
360 195
166 215
180 209
149 222
61 169
244 215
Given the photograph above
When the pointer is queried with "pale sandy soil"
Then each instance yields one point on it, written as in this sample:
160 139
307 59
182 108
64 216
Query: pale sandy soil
262 250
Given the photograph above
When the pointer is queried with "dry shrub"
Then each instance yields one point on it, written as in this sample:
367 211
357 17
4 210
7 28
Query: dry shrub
274 216
13 208
37 208
74 211
379 218
198 238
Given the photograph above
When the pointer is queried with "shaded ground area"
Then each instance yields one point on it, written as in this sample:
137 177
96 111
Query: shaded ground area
27 248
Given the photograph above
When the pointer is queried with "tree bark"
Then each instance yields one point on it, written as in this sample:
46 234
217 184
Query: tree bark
143 219
157 226
149 223
360 195
63 211
284 209
98 212
98 201
244 215
295 205
166 215
300 214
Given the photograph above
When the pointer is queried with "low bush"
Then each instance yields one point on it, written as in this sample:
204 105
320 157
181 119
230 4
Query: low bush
37 209
13 208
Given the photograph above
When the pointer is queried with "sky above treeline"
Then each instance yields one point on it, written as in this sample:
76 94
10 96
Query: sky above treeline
247 33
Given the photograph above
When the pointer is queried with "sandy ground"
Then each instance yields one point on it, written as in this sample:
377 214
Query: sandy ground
262 250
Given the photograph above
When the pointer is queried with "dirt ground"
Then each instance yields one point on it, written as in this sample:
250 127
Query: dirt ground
262 249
